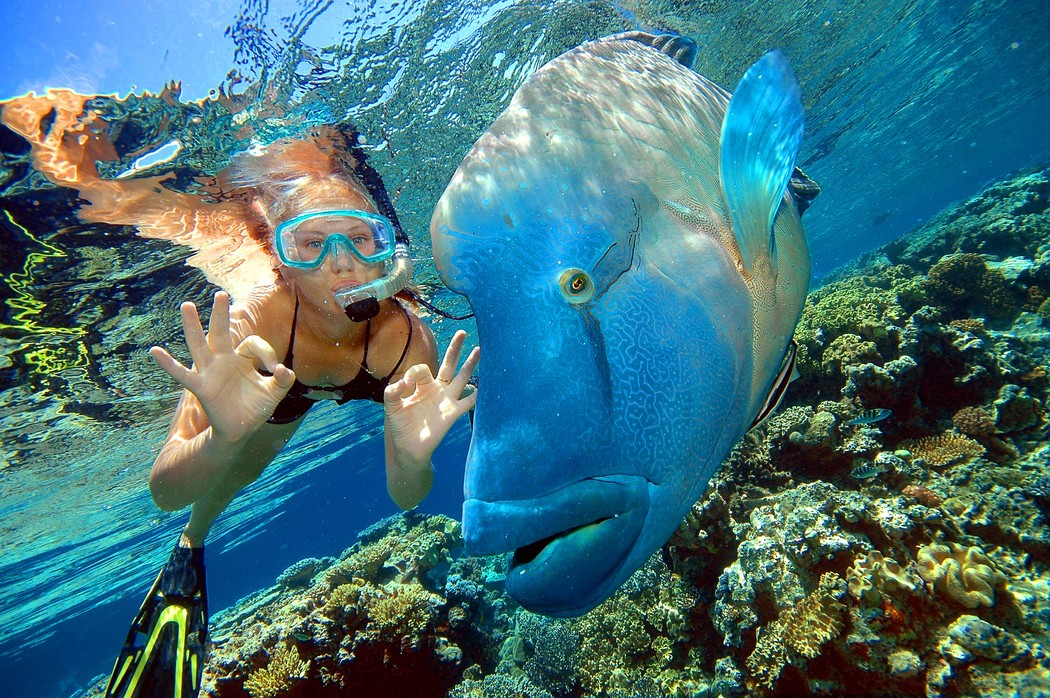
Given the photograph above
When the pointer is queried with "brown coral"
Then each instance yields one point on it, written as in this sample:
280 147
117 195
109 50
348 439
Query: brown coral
964 574
973 325
944 449
975 421
965 278
923 495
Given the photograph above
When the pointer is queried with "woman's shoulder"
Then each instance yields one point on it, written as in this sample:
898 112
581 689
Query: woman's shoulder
263 311
395 334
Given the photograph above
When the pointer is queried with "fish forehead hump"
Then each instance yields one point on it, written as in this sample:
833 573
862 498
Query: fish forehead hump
612 122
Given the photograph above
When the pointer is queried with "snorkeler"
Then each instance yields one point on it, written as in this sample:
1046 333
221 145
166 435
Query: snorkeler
323 323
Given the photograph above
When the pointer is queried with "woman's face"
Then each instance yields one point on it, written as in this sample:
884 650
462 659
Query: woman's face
339 270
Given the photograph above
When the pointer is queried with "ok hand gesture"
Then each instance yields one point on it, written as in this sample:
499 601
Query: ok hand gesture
420 409
236 398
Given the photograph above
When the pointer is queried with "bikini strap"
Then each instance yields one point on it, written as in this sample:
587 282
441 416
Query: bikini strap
404 352
288 358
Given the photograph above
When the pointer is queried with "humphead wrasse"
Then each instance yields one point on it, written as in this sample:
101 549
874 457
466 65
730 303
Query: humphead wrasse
628 239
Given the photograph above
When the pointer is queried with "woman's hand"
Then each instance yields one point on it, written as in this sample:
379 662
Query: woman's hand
235 396
420 409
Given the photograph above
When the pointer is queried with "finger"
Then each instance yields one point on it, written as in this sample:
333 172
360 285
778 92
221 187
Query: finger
448 364
258 349
179 373
420 375
284 377
466 371
196 342
394 394
219 325
469 400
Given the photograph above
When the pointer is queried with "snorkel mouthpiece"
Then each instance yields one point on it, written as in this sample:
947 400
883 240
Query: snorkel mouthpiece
361 303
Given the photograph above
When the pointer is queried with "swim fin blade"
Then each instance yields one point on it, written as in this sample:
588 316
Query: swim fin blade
163 656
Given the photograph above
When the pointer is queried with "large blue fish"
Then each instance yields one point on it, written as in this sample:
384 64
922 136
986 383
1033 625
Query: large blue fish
629 242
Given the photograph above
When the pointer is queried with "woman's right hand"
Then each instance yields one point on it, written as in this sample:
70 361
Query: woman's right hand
236 398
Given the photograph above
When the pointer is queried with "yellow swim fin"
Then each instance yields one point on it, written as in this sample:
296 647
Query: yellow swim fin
163 656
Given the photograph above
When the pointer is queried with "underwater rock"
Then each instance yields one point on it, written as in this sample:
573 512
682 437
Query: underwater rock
985 640
301 573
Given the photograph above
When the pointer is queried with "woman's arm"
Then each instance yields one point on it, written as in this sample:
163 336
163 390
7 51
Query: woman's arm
215 433
419 411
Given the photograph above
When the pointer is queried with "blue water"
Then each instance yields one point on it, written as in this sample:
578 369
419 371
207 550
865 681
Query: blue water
332 504
911 106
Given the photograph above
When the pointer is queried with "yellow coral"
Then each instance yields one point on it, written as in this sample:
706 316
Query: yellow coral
279 674
873 574
769 657
814 621
404 609
943 449
964 574
800 631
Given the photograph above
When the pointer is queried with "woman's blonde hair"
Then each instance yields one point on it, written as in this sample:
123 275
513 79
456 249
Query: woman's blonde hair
290 176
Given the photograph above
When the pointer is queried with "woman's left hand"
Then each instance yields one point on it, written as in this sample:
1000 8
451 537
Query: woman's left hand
421 408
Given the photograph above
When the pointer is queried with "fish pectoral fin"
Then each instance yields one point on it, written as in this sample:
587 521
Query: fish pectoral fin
760 138
680 48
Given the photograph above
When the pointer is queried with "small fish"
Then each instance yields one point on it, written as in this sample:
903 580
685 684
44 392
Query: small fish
301 637
867 471
870 416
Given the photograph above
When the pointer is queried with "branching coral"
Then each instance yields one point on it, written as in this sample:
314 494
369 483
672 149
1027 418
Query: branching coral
279 674
964 574
403 609
800 632
944 449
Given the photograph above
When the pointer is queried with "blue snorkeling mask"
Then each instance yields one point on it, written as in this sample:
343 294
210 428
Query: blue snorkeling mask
305 241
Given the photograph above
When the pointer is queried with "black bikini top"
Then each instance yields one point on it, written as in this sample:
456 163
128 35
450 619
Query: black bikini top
363 386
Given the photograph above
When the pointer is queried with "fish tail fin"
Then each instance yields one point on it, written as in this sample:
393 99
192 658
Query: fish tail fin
760 138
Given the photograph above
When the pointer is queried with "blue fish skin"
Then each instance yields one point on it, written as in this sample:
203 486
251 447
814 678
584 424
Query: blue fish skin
604 407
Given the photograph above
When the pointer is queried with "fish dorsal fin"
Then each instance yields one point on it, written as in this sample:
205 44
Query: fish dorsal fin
761 134
680 48
784 377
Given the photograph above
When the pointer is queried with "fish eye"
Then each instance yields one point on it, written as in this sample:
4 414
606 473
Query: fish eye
576 286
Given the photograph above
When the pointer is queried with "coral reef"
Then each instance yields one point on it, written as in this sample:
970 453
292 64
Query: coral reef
800 632
885 533
372 622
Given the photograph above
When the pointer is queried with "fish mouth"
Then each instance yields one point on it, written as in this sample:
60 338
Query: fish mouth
569 547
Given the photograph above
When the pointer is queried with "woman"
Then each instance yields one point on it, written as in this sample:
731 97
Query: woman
286 344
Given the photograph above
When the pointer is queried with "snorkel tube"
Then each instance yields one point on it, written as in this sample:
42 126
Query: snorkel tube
361 303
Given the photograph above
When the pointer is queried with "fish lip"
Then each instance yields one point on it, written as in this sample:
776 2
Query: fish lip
601 526
523 522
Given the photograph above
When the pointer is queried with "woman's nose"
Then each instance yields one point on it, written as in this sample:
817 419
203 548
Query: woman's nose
342 258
